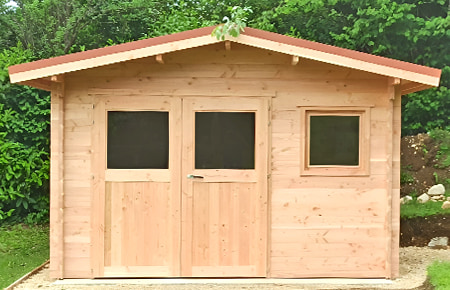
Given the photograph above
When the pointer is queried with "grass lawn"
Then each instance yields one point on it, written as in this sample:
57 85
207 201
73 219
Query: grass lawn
438 273
22 249
414 209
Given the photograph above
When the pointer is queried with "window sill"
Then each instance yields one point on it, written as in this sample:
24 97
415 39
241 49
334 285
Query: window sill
334 171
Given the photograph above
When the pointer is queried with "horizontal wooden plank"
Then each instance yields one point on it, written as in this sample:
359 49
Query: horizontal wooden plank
77 197
136 271
75 151
81 138
187 86
130 175
79 214
355 267
224 271
311 95
74 250
326 195
241 67
78 169
78 186
291 167
310 219
77 267
292 180
373 234
225 175
313 250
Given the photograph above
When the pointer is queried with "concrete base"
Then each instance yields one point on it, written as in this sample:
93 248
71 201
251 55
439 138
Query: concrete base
192 281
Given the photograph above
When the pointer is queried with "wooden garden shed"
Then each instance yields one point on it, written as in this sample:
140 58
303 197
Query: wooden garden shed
257 156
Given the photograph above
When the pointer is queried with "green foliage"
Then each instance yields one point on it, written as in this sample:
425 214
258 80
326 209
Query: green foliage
414 209
442 138
438 273
424 111
22 249
405 177
414 31
175 19
24 146
55 27
233 26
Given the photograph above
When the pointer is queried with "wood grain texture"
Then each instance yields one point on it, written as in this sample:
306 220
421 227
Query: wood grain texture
298 209
224 223
137 227
57 181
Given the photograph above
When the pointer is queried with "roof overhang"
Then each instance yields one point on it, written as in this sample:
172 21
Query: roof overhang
413 77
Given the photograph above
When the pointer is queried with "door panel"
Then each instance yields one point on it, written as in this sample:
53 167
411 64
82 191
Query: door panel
155 222
136 228
224 210
223 229
139 235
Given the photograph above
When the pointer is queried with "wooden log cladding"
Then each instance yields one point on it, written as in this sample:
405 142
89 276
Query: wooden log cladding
319 226
57 181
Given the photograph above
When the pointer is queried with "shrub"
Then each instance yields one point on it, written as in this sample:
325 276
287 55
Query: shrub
24 146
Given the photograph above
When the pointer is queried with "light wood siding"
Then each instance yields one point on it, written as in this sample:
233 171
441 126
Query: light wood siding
319 226
78 120
395 216
57 182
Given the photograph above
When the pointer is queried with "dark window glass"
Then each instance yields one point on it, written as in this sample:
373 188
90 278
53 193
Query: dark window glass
224 140
334 140
138 140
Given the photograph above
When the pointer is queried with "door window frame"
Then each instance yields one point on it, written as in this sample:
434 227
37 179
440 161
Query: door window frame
362 169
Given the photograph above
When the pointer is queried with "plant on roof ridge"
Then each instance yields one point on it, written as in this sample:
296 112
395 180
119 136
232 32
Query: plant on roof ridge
234 26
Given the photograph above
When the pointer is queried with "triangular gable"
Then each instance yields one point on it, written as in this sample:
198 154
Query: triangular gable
413 77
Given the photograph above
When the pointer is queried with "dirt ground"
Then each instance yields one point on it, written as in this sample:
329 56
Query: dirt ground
419 164
419 231
413 264
419 168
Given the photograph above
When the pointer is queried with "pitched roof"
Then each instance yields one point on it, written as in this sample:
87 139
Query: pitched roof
414 77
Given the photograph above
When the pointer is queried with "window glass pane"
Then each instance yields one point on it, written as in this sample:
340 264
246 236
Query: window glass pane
138 140
334 140
224 140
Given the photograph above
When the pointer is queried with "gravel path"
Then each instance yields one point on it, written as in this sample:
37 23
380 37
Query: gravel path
413 264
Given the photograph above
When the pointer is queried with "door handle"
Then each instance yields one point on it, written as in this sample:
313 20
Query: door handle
192 176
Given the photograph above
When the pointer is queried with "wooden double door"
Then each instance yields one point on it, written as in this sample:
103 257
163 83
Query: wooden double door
180 187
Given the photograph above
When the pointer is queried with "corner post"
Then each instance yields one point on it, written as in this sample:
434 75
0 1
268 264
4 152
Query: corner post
57 178
393 216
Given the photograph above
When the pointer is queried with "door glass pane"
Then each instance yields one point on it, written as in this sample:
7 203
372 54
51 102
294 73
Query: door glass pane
224 140
138 140
334 140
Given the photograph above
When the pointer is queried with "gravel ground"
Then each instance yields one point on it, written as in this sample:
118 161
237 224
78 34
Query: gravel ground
413 264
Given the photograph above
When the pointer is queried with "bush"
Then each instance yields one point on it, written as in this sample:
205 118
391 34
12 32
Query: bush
427 110
24 146
442 138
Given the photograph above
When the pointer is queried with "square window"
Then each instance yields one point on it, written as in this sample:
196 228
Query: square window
138 140
225 140
335 141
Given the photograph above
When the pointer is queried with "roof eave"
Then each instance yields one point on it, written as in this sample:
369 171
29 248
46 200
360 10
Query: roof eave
426 79
423 77
102 60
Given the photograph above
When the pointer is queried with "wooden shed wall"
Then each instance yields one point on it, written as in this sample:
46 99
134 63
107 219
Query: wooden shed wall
320 226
